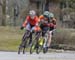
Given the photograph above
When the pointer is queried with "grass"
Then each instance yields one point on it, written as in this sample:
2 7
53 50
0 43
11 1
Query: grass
10 38
65 36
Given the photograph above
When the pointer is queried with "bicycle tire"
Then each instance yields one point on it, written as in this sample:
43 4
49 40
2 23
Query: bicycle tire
39 45
46 40
32 48
23 44
23 48
33 45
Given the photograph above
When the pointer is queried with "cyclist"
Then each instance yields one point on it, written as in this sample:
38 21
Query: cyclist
31 23
48 22
52 27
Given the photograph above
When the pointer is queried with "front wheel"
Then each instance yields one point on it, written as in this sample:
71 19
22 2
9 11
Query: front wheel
32 48
40 45
24 42
38 49
19 50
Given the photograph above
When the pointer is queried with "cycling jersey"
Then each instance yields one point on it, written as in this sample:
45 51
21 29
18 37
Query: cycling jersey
41 17
44 21
51 23
32 22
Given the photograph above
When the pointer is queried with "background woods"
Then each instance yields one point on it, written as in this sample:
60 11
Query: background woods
14 12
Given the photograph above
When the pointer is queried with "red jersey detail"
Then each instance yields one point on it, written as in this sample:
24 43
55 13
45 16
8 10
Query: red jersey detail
31 21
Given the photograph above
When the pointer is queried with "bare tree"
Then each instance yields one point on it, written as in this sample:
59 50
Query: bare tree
3 6
4 13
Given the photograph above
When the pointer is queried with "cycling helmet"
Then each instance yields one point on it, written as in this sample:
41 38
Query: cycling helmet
32 13
46 14
51 15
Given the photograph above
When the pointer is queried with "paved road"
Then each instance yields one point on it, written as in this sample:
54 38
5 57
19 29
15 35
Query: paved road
48 56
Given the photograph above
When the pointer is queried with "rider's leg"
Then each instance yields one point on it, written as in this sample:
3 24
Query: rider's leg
28 27
48 42
49 38
31 30
30 41
45 29
43 34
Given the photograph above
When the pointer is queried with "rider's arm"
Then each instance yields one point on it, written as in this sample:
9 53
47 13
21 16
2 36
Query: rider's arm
24 25
41 18
54 22
25 22
37 21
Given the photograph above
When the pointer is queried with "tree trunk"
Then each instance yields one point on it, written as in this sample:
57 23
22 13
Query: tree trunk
4 13
47 5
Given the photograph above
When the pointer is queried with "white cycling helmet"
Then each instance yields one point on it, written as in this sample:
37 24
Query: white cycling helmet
51 15
32 13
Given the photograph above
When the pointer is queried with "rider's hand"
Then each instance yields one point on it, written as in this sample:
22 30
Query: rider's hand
22 28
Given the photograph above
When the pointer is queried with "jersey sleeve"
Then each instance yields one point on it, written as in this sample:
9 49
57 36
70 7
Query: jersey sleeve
37 20
54 21
41 17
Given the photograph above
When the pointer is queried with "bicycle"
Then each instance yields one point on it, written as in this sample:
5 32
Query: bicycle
46 41
25 42
38 43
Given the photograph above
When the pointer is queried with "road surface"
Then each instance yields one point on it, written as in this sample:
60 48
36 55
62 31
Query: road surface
48 56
